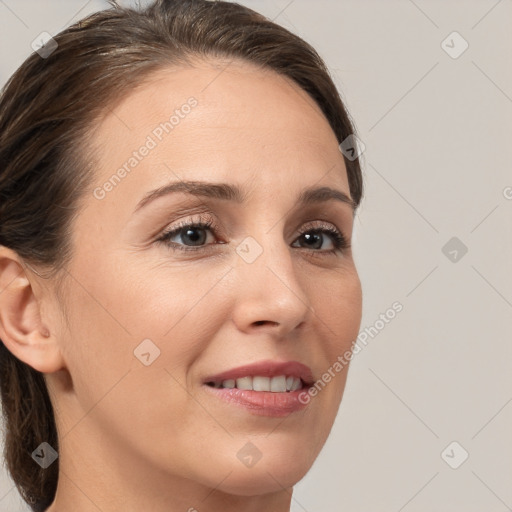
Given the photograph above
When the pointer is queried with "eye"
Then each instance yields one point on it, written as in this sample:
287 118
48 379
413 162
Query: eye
194 237
315 237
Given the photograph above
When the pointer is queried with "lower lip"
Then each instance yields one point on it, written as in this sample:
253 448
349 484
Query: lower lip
262 403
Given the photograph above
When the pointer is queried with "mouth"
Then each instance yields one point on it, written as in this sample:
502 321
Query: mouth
278 384
266 388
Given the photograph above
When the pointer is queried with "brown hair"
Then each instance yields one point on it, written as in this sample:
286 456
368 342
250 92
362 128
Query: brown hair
47 109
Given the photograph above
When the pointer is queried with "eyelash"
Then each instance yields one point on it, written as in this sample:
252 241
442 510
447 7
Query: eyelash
339 240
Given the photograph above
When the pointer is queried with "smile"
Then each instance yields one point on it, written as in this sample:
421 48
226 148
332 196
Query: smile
267 388
279 384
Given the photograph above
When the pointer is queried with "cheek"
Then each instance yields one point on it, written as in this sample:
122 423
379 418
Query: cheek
110 316
338 307
117 313
160 299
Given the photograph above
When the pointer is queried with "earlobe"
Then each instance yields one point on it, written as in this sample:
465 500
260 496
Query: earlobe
22 330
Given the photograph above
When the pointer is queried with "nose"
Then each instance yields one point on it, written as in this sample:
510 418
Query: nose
270 292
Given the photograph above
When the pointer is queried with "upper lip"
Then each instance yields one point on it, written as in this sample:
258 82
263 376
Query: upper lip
267 368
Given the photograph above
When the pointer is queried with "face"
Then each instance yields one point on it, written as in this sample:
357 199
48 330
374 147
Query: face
173 294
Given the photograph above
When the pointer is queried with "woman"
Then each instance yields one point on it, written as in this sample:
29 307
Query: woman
175 262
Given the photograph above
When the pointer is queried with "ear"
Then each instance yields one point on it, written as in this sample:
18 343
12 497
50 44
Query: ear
21 328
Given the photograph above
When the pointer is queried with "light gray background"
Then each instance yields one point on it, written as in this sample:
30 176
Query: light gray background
438 134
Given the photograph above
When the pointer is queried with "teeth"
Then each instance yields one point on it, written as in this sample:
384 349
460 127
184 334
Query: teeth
279 384
244 383
261 383
296 384
230 383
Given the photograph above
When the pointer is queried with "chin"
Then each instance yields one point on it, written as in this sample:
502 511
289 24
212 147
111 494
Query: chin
257 482
279 467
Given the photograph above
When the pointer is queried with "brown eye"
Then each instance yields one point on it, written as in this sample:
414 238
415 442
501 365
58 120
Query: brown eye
314 238
193 235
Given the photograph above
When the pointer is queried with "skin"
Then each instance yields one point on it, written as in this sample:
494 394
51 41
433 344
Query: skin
136 437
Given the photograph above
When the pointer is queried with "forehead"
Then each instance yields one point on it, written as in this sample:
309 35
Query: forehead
230 121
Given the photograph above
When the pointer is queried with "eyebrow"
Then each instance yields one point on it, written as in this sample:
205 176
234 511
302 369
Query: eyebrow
231 192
